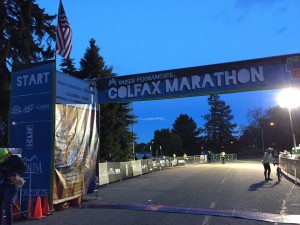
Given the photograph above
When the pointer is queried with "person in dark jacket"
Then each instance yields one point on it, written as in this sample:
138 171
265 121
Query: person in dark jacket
11 166
209 157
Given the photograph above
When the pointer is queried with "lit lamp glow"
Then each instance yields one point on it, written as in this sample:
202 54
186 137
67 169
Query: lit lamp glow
289 98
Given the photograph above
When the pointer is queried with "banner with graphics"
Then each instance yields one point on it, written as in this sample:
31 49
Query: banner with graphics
75 153
76 137
31 116
256 74
71 90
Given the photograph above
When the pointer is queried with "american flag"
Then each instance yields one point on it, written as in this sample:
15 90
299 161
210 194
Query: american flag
64 34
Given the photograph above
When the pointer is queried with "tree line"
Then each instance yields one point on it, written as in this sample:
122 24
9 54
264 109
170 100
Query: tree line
28 36
266 128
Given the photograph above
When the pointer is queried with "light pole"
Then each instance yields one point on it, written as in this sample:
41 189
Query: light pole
289 98
262 136
133 150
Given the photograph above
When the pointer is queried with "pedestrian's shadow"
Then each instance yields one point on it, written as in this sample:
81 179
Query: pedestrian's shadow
255 186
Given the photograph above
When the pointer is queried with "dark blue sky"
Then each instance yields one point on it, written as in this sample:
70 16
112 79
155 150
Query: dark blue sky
139 36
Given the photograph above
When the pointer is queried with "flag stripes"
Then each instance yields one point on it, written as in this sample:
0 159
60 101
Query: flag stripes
64 33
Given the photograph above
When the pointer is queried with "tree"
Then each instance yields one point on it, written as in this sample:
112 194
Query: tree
270 128
218 127
280 134
186 128
166 143
26 37
115 118
67 66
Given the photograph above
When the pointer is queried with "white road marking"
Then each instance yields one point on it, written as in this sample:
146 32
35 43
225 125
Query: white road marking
223 180
207 218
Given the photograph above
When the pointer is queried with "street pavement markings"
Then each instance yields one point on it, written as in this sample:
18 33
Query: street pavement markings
283 206
267 217
206 219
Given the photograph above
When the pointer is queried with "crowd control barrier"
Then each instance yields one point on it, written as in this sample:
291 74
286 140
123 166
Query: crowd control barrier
228 157
291 166
116 171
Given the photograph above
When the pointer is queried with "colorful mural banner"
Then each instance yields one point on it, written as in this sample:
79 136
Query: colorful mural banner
75 152
256 74
76 137
31 123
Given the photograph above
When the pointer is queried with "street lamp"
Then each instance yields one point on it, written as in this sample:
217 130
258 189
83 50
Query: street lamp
289 98
133 150
262 136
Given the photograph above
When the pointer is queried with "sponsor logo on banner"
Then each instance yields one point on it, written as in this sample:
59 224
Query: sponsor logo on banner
29 137
16 110
112 82
28 108
42 107
34 165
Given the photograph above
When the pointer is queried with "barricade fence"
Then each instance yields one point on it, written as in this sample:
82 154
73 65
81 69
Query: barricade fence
217 157
291 167
117 171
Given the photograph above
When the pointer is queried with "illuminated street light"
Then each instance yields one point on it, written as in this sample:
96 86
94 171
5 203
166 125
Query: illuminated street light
262 136
289 98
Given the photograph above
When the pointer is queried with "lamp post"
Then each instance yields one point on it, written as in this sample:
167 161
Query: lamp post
262 136
289 98
133 149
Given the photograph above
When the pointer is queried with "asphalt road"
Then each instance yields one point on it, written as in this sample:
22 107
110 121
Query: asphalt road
205 194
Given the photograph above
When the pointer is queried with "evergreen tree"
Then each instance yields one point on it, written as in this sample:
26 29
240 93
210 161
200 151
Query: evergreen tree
185 127
115 118
218 127
67 66
166 143
26 37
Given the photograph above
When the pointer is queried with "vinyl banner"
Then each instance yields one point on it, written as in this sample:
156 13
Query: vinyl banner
75 152
31 119
255 74
76 137
71 90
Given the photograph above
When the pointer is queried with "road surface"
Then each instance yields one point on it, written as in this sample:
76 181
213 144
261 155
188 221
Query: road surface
203 194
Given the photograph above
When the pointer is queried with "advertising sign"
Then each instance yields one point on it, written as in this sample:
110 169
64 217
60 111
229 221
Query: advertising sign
71 90
256 74
31 120
76 137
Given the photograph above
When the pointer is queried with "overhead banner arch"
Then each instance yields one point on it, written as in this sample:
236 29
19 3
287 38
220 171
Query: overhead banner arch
248 75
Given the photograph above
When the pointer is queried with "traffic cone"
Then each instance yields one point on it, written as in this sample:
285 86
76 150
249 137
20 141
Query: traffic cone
46 207
38 212
16 210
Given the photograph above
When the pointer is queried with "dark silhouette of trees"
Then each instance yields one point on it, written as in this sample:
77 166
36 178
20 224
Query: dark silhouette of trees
26 37
218 127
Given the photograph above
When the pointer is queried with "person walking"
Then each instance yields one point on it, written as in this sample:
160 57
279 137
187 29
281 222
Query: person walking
209 156
267 159
11 166
222 156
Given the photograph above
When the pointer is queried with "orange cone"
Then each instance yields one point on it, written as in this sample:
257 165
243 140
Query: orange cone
38 214
16 210
46 207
